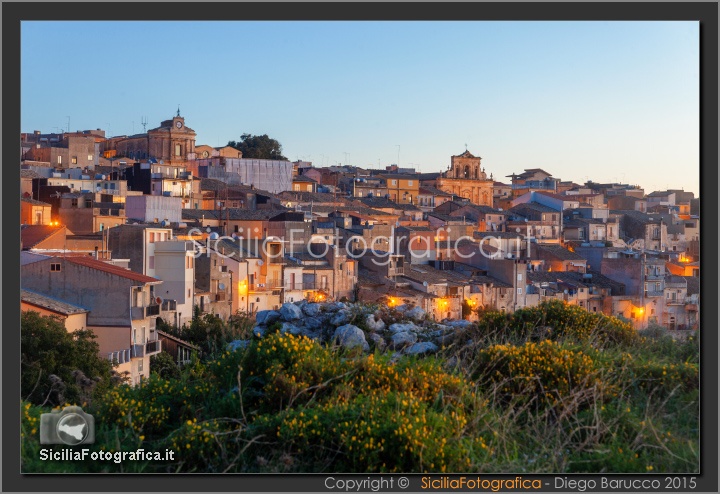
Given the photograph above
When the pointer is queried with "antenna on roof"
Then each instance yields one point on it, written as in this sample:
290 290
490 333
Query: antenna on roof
143 121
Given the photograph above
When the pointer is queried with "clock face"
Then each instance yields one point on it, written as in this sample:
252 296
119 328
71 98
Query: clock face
178 124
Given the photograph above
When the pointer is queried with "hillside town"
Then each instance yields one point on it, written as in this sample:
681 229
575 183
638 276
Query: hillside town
121 232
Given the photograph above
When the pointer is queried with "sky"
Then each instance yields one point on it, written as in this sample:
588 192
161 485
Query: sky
613 101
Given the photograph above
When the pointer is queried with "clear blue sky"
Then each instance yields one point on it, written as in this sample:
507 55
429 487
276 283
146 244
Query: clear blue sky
608 101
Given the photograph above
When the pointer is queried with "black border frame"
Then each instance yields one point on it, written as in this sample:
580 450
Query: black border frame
13 13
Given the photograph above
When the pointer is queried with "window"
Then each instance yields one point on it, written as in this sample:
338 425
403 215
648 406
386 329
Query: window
519 291
90 157
393 182
189 295
55 266
74 160
74 203
178 150
140 364
59 160
410 182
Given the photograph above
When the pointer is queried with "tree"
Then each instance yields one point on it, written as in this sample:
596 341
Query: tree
258 147
58 367
164 366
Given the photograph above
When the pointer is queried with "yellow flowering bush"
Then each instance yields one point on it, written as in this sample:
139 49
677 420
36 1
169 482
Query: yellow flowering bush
545 371
372 414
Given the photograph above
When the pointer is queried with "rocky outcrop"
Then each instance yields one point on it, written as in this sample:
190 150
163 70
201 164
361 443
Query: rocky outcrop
405 330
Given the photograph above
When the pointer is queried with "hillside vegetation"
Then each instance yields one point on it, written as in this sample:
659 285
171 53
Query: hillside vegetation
547 389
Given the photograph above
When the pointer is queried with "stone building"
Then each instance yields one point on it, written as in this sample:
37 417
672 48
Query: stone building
172 142
466 178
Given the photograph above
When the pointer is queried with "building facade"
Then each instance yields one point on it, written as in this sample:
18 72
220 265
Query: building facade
466 178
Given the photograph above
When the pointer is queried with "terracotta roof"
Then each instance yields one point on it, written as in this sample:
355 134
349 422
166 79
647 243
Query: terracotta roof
50 303
111 269
560 252
34 202
31 235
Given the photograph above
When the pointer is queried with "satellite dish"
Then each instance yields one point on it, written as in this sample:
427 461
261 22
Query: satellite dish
159 300
260 262
221 286
425 283
214 236
208 229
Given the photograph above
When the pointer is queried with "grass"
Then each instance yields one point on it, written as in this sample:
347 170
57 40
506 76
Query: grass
547 390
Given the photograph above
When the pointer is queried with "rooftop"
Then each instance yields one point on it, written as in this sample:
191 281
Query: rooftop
31 235
50 303
234 214
34 202
111 269
560 252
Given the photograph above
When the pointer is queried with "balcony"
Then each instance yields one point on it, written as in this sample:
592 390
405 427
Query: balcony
108 212
153 347
139 313
268 285
398 271
220 297
145 349
652 293
169 305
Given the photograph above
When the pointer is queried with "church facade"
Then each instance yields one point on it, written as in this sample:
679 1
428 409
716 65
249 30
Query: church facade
172 142
467 179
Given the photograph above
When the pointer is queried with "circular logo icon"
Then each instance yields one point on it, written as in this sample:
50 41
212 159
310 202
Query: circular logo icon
72 429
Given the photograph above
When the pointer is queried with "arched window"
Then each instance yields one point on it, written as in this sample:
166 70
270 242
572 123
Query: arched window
467 171
476 173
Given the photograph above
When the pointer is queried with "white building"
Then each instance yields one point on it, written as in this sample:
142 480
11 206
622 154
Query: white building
175 266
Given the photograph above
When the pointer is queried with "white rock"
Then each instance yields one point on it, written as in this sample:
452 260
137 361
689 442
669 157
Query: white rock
350 336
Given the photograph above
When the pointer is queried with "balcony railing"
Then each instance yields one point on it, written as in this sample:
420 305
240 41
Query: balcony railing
269 285
108 212
169 305
153 347
652 293
145 312
138 351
